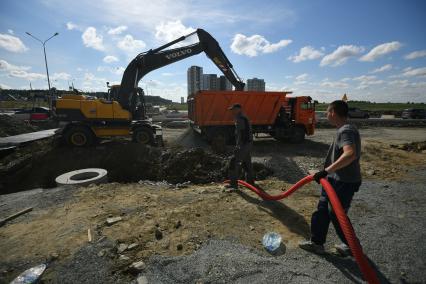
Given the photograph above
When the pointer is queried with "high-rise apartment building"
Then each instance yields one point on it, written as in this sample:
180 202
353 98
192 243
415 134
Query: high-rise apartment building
194 79
255 84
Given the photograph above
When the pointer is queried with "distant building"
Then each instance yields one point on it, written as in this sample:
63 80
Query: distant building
195 79
255 84
210 82
182 100
224 84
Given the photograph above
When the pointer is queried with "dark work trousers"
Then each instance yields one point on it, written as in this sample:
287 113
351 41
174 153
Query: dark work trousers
324 214
241 158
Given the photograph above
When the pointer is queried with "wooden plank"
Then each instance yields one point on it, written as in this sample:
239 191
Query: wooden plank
13 216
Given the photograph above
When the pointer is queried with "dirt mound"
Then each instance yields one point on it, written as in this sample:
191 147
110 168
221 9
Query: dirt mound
11 126
38 164
194 165
411 147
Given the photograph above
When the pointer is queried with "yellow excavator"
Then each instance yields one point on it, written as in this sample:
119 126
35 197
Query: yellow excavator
85 120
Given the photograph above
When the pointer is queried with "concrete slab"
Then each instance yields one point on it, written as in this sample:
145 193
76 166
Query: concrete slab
27 137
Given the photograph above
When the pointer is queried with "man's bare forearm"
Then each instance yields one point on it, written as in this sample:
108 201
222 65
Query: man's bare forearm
344 160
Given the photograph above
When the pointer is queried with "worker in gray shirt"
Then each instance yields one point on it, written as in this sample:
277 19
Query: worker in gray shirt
342 169
242 155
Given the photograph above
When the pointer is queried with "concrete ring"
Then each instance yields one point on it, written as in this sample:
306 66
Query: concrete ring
83 177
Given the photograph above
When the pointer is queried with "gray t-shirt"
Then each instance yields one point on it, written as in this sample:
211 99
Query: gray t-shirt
346 135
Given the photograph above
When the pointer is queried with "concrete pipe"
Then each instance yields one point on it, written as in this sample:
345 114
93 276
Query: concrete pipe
83 177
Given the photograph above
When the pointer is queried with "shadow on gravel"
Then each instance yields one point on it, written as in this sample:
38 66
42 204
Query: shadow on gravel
350 269
286 169
287 216
307 148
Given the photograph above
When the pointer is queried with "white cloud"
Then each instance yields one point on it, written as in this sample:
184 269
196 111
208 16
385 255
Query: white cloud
10 31
71 26
168 31
334 84
306 53
93 83
110 59
60 76
410 72
366 80
129 44
384 68
255 44
301 79
92 39
399 83
27 75
341 55
415 54
12 43
116 70
381 50
118 30
6 66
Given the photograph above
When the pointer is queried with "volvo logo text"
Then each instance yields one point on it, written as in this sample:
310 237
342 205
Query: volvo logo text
179 53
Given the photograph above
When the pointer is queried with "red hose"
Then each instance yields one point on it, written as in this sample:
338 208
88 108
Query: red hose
356 249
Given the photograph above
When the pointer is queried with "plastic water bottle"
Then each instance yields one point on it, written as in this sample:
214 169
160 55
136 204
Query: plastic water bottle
271 241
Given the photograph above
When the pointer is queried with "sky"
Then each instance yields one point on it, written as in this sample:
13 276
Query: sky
370 50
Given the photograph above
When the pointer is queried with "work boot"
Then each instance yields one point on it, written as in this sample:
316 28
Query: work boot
311 247
343 250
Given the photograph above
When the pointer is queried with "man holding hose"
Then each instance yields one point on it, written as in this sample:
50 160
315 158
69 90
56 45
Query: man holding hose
342 170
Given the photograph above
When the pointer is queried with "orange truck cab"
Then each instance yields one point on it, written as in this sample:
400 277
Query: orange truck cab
274 113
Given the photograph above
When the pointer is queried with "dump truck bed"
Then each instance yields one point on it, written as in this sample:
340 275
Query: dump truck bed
208 108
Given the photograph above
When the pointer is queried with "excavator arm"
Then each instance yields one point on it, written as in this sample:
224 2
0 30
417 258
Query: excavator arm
159 57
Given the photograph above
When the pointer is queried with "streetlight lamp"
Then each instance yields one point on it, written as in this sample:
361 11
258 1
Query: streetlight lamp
44 50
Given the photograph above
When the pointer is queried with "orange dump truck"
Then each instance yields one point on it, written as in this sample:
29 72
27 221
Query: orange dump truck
275 113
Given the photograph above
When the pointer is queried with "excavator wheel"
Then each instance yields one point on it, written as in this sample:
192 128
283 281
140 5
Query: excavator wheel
79 136
143 135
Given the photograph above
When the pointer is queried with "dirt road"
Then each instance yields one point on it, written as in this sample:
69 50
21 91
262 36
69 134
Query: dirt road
200 233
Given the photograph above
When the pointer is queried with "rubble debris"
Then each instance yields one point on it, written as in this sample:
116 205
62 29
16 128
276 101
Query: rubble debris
30 275
121 248
179 247
15 215
178 224
89 235
411 147
142 280
132 246
158 234
112 220
137 266
123 257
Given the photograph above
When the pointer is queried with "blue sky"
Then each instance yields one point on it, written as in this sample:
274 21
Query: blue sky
371 50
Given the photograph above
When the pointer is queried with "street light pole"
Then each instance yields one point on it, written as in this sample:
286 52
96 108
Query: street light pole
44 50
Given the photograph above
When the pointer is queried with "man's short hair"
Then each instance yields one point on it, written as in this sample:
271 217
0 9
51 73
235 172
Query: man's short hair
340 107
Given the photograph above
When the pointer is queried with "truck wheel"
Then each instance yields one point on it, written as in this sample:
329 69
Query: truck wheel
79 136
298 135
143 135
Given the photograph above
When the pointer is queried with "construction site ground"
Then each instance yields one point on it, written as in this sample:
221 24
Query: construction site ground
199 233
